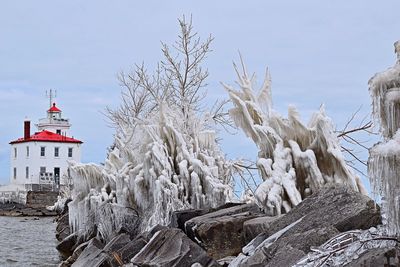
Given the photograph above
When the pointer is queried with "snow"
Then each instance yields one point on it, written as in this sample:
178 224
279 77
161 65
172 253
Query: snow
384 160
294 159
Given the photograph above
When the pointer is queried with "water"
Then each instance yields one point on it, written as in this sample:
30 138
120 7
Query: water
25 241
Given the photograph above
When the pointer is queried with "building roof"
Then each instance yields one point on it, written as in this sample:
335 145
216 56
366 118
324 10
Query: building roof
54 108
47 136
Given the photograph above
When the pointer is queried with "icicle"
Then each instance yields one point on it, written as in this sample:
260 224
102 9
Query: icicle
294 160
155 169
384 160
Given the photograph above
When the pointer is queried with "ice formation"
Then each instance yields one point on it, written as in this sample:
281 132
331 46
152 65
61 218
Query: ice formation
294 160
154 168
347 247
384 160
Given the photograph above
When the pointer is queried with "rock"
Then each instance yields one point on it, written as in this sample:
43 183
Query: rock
41 199
149 234
256 226
180 217
220 232
92 255
288 250
112 249
130 250
226 261
117 243
331 210
67 245
62 228
338 206
171 247
68 262
389 257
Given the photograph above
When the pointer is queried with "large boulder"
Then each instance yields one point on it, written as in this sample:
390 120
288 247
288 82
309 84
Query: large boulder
127 252
220 233
338 206
77 252
332 209
62 228
92 255
256 226
67 246
287 250
180 217
172 248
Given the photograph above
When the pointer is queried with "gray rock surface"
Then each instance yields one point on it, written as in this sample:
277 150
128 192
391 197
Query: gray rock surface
92 255
67 246
180 217
256 226
171 247
331 210
62 228
286 251
68 262
131 249
338 206
220 233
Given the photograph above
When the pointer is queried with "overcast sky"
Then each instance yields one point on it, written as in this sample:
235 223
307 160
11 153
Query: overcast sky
317 52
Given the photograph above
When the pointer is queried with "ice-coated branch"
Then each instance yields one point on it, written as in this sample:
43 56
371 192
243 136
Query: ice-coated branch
294 160
384 159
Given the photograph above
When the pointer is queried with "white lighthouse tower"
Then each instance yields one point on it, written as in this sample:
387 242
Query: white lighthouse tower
40 161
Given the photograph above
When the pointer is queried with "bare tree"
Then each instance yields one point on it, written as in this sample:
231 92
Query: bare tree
352 145
182 66
177 81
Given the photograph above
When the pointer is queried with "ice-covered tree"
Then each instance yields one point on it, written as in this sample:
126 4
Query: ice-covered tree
384 160
294 159
165 156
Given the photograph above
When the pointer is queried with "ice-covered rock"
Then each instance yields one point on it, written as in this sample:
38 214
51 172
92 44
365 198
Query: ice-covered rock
294 159
172 248
331 210
354 248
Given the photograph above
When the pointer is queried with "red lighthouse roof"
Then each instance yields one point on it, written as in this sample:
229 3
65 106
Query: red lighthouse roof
54 108
47 136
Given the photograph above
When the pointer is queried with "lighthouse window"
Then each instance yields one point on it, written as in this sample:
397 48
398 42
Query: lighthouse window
27 172
56 152
15 152
70 152
27 151
42 151
42 170
15 173
58 131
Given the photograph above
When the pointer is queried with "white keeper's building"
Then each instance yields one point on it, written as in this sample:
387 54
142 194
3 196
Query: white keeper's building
41 159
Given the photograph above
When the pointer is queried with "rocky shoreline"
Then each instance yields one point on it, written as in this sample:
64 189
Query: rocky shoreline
232 235
20 210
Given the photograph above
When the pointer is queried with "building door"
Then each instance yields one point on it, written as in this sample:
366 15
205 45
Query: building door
57 176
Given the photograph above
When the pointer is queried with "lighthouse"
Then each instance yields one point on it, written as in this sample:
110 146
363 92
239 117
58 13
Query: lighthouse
39 160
